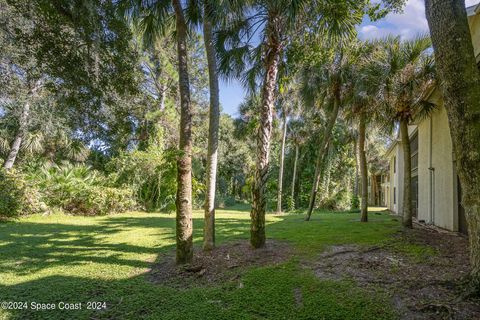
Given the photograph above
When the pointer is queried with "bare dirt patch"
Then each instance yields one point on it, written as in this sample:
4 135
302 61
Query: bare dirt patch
226 263
421 287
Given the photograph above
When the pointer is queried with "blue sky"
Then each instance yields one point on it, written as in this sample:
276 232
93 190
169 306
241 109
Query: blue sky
408 24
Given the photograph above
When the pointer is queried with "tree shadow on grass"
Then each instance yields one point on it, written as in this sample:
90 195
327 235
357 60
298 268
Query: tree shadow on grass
51 248
28 247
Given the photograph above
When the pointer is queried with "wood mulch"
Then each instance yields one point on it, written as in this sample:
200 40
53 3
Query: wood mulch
225 263
425 288
429 286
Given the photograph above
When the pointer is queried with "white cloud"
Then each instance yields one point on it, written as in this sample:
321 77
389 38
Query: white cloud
407 24
372 32
469 3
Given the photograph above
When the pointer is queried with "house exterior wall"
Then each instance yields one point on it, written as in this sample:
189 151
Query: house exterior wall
424 174
438 203
474 23
386 189
395 189
399 185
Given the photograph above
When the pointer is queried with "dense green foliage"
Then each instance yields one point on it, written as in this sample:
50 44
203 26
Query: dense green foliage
18 196
114 108
78 189
150 173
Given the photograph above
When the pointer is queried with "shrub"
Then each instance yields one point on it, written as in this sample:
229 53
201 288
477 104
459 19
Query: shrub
290 203
225 201
97 200
78 189
18 196
355 203
328 204
151 174
339 201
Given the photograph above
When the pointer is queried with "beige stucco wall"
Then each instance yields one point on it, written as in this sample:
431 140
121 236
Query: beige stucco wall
390 204
437 189
442 161
443 177
423 171
396 179
474 22
399 184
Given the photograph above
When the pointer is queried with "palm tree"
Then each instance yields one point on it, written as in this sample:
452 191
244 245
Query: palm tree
153 19
286 103
282 160
273 22
460 79
297 137
409 71
183 202
363 166
326 79
212 12
205 13
365 79
209 229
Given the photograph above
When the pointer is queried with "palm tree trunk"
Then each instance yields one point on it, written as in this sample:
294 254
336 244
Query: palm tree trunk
17 141
458 71
209 228
357 168
294 178
272 58
407 175
163 96
327 172
282 160
363 167
184 227
316 183
321 152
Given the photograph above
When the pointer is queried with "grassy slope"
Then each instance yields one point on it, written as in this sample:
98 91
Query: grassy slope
79 259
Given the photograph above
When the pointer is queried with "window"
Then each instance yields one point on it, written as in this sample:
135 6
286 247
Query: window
394 164
394 195
414 151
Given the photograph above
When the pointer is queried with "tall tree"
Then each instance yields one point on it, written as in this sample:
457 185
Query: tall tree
460 83
365 80
281 165
363 166
214 118
184 163
272 20
297 137
21 131
330 79
75 48
286 104
322 150
154 19
409 71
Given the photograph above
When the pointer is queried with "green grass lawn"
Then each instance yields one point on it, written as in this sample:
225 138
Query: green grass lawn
48 259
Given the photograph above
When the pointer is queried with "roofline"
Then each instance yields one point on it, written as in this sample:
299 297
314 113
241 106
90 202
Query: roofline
392 146
473 10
